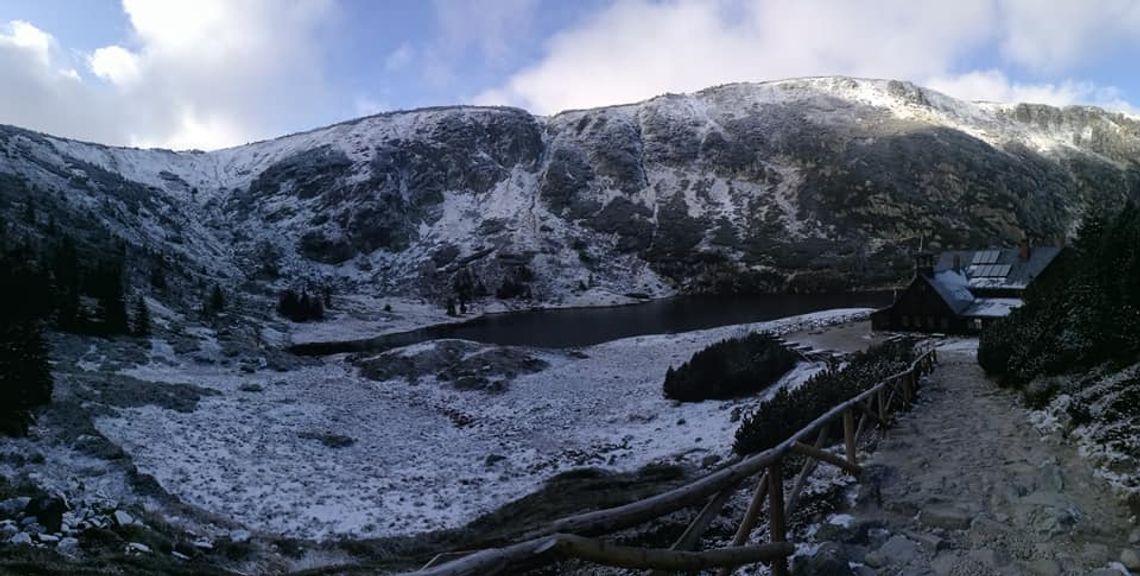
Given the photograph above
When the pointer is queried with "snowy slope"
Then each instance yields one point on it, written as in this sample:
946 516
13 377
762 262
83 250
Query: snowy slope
797 184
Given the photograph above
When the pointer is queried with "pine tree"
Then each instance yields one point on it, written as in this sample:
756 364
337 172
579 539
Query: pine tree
217 301
108 290
25 377
142 318
65 276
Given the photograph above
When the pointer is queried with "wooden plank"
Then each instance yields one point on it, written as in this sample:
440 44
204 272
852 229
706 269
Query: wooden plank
778 532
883 416
749 521
849 437
859 429
562 546
826 456
692 535
869 413
801 478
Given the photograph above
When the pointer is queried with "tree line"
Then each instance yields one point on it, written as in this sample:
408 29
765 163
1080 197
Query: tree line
1084 313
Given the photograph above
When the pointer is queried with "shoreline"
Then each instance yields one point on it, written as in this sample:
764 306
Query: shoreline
386 340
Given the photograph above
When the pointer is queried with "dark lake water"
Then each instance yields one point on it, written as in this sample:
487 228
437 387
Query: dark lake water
575 327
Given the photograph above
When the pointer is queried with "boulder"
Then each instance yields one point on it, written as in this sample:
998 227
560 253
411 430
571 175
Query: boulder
240 536
21 539
898 551
830 559
1130 558
68 547
13 506
123 518
137 548
945 517
1044 567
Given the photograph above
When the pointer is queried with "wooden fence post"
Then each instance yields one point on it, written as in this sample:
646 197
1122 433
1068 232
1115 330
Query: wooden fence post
749 520
849 436
777 529
882 407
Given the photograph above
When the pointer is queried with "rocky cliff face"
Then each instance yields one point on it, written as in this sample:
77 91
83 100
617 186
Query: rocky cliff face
801 184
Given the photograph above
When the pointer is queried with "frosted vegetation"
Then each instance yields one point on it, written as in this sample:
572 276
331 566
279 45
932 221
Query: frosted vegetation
1073 348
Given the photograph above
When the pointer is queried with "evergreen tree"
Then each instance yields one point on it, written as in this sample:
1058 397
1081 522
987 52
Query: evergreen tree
158 277
108 290
216 302
25 377
66 276
142 318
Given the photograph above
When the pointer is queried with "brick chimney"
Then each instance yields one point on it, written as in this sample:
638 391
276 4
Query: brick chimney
1023 250
958 263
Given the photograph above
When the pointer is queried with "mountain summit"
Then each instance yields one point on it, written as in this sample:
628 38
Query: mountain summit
807 184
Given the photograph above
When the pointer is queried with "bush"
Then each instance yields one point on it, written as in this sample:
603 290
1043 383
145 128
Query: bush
730 368
300 308
787 412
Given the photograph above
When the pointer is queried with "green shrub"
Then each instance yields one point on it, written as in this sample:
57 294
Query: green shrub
730 368
776 419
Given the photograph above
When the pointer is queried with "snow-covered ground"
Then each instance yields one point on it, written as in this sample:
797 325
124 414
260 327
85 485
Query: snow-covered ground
424 456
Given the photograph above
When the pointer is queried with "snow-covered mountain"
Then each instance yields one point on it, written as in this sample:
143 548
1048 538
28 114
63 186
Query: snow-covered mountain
799 184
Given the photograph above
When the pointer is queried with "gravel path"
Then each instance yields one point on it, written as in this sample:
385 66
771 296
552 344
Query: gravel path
964 485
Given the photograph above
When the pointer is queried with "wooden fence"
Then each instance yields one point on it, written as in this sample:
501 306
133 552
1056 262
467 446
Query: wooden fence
570 537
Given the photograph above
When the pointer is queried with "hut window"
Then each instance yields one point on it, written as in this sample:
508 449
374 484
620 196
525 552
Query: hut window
945 324
906 321
930 321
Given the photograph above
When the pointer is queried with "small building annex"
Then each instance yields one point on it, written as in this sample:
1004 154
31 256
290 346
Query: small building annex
961 290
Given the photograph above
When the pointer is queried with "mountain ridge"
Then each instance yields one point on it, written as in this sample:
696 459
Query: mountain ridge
804 185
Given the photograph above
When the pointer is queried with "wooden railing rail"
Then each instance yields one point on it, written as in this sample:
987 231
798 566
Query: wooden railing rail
566 537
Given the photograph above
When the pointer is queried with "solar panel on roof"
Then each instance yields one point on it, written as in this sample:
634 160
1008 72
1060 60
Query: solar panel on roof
986 257
1003 270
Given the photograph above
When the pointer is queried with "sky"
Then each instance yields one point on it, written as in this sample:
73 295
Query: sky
208 74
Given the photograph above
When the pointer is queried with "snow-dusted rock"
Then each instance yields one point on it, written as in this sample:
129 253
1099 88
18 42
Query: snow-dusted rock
1130 558
240 535
137 548
68 547
21 538
13 506
123 518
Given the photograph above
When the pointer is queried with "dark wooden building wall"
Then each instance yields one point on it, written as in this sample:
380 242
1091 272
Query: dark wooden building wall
919 308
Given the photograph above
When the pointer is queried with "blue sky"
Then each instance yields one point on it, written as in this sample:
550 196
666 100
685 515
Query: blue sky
212 73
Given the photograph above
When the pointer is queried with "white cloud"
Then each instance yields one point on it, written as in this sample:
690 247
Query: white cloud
493 29
115 64
400 57
637 49
1055 36
995 86
194 73
23 35
367 106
